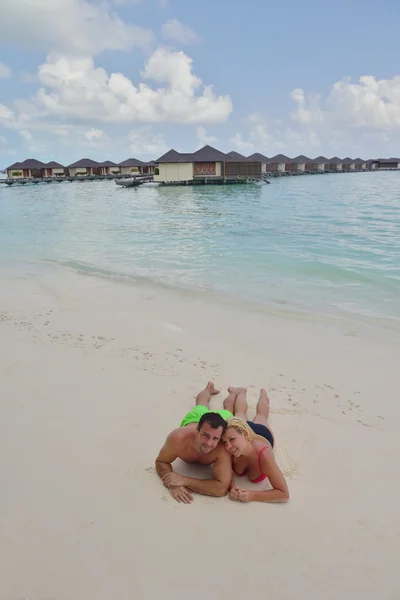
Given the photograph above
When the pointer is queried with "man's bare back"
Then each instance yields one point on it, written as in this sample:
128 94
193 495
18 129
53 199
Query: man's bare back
197 442
184 440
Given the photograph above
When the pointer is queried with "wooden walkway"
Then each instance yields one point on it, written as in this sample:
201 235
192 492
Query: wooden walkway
212 181
80 178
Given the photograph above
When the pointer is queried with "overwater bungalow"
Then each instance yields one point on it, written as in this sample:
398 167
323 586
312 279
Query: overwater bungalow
316 164
257 157
131 166
84 167
206 163
235 155
335 164
54 169
278 163
388 163
348 164
298 164
28 169
359 164
108 167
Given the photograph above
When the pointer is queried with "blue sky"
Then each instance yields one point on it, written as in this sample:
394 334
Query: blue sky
120 78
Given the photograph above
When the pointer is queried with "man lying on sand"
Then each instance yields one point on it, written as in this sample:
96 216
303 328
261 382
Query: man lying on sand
197 441
227 440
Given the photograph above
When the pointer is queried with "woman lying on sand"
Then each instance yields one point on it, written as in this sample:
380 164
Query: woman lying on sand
251 444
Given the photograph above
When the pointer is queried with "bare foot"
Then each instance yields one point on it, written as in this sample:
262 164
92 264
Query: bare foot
236 390
211 388
264 396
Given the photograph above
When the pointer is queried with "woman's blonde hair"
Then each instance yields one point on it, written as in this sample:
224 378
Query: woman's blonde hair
241 427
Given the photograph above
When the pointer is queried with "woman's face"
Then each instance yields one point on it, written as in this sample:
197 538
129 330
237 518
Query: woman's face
234 441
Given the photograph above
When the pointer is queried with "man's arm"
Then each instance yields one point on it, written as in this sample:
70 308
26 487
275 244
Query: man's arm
218 486
167 455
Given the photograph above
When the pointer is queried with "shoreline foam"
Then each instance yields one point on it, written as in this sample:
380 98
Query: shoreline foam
307 247
284 310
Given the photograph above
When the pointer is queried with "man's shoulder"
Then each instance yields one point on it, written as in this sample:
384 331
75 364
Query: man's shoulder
221 452
179 434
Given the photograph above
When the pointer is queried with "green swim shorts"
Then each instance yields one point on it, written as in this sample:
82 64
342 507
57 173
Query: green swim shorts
197 412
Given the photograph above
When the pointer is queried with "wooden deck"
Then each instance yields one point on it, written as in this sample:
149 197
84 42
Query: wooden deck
211 181
81 178
198 180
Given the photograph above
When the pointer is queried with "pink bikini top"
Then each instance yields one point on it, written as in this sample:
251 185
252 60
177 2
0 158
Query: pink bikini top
260 477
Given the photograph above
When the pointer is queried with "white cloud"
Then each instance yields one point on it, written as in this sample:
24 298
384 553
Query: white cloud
370 103
301 139
62 131
5 71
241 144
144 141
259 137
271 139
70 26
94 134
74 87
178 32
353 118
203 138
307 108
126 2
3 140
26 135
6 115
35 146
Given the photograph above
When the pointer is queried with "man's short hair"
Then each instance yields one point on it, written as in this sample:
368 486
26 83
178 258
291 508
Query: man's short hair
212 419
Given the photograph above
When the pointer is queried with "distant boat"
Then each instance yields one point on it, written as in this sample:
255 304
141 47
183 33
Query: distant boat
135 181
128 182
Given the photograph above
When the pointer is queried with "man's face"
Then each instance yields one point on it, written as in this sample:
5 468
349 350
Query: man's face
208 438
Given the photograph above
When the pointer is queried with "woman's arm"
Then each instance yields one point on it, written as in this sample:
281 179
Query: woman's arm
280 490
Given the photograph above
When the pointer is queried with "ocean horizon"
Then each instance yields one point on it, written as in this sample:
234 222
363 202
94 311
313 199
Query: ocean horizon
321 247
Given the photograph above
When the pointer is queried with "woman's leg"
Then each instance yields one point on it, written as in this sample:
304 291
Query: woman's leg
229 402
240 409
262 410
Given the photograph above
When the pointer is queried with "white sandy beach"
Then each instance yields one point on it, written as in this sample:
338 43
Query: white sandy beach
95 374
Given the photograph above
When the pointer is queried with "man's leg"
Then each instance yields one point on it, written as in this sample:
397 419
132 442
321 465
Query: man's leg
241 402
204 397
202 405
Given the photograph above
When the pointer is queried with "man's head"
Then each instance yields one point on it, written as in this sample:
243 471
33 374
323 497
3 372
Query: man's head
209 431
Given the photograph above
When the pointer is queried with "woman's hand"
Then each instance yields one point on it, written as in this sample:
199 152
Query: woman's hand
240 495
245 495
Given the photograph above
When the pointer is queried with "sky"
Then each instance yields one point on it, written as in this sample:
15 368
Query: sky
115 79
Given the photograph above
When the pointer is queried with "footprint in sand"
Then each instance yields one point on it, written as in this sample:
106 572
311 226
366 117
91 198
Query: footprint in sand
172 327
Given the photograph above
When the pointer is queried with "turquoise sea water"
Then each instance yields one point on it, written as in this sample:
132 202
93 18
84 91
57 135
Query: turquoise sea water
325 245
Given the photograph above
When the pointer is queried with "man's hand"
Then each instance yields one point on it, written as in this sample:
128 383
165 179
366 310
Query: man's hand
173 479
181 494
234 492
